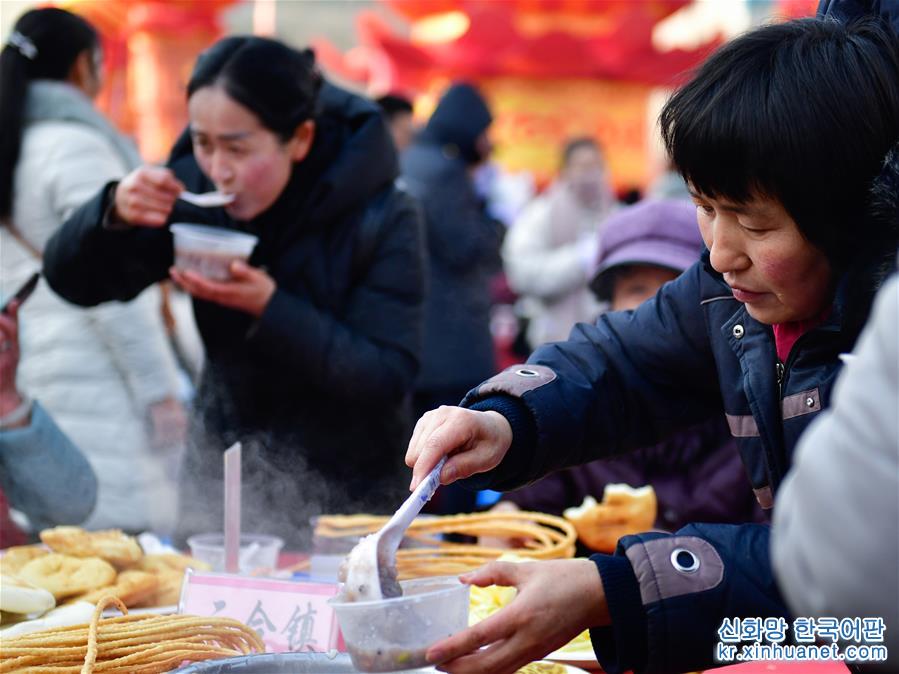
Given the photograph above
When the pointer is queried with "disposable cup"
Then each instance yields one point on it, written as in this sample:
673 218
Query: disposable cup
209 251
394 634
257 551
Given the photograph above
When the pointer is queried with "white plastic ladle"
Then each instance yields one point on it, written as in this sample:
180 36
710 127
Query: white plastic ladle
371 565
207 199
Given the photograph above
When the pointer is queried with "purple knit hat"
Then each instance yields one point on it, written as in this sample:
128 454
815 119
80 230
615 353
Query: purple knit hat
656 232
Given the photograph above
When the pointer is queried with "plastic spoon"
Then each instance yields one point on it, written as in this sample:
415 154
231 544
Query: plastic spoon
371 565
207 199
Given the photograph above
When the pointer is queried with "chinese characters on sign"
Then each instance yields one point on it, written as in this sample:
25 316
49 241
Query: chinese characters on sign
289 616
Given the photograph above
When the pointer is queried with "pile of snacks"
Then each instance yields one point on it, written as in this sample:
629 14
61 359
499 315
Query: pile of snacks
128 644
543 537
77 565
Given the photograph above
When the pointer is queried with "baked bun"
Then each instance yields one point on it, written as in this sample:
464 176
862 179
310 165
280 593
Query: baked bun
16 557
132 587
64 576
117 548
623 510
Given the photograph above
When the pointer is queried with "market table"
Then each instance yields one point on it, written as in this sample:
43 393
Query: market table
766 667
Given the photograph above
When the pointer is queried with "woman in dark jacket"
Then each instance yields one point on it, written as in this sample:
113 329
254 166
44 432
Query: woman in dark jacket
313 346
779 136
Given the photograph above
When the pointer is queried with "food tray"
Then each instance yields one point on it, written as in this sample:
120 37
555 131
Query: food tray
280 663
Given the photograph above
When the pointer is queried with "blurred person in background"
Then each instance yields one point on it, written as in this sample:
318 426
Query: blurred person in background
43 474
669 185
313 345
107 375
463 254
550 251
697 473
398 111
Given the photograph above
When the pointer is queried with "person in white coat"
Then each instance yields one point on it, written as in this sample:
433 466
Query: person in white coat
835 539
107 375
550 252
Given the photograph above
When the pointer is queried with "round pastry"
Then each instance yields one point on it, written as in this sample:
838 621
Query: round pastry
65 576
624 510
117 548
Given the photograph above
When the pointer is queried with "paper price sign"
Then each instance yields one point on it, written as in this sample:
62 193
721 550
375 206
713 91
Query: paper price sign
289 616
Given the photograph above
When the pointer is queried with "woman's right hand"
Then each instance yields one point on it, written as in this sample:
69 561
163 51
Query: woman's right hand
146 196
473 441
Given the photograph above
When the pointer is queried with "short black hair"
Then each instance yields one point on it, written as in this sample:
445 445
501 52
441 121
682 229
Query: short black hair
572 145
803 112
278 84
392 105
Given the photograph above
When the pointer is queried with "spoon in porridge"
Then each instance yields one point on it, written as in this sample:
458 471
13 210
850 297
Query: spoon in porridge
370 568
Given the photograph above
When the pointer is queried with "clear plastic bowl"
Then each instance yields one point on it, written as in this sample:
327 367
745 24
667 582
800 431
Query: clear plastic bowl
210 250
257 551
394 634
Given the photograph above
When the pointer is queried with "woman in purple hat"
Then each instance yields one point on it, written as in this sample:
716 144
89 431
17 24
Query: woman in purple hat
696 473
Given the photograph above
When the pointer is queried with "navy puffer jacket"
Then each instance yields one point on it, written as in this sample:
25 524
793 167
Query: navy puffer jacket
690 354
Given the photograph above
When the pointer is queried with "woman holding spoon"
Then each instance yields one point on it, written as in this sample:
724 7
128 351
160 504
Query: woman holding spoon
780 136
312 346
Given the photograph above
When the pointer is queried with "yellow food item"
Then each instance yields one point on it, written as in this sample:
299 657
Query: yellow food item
169 571
543 668
131 587
485 601
545 537
167 592
128 644
117 548
623 510
17 556
148 580
170 562
65 576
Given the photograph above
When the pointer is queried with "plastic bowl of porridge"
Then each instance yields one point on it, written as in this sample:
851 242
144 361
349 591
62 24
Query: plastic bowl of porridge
393 634
209 251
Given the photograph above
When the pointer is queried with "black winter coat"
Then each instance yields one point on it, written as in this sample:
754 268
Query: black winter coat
463 252
317 388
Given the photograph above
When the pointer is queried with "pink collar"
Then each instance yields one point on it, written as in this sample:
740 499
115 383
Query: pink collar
786 334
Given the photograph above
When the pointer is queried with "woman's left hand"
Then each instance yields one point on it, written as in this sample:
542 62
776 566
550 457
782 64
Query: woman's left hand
249 288
556 601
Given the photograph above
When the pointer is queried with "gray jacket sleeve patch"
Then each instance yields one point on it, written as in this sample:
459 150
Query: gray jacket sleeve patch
742 425
517 380
802 403
675 566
